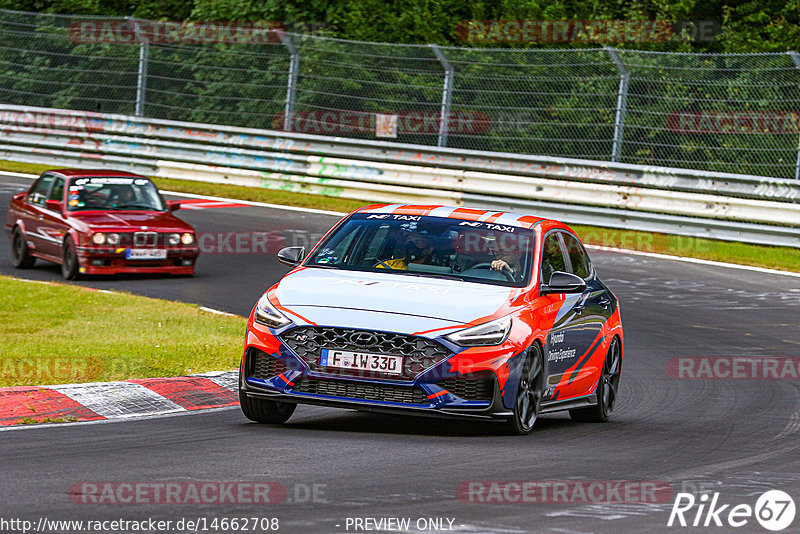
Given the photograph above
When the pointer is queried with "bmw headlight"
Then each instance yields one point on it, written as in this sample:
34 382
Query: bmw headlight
187 238
112 239
491 333
268 315
99 238
173 239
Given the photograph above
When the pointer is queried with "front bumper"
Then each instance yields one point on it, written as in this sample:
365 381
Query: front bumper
103 260
423 396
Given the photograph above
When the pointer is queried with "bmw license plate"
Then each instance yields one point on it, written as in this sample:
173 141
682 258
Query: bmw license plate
145 254
361 361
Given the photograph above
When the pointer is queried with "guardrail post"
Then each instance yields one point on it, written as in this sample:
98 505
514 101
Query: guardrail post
796 58
622 103
291 86
447 94
141 77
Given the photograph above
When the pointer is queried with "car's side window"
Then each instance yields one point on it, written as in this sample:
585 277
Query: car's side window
581 265
552 257
57 192
38 193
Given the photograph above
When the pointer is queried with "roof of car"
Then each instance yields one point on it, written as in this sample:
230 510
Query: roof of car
93 172
520 220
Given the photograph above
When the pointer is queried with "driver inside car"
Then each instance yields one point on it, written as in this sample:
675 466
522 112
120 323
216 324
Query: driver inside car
418 249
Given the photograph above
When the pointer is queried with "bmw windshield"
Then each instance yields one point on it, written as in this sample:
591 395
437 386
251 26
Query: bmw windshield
429 246
113 193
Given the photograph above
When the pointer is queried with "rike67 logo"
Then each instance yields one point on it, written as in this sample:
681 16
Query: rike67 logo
774 510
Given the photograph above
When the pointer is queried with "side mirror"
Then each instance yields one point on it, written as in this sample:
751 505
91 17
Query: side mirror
54 205
561 282
20 196
173 205
291 256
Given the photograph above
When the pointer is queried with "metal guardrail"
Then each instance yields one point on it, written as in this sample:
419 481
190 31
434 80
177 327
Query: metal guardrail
719 206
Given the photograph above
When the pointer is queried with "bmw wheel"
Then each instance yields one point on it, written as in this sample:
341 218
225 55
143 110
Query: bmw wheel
20 255
69 262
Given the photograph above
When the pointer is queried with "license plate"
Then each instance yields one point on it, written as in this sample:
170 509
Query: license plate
145 254
362 361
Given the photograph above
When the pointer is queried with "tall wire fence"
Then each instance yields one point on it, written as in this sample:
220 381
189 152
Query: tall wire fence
717 112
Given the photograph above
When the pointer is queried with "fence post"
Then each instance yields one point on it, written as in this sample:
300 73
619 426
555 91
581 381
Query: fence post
141 77
622 103
447 94
796 58
291 87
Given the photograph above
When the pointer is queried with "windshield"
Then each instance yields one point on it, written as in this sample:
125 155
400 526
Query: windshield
113 193
429 246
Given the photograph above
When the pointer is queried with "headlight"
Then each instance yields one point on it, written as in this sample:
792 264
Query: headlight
267 314
112 239
99 238
187 238
491 333
173 239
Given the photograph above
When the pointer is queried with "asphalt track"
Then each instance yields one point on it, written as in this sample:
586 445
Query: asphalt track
735 437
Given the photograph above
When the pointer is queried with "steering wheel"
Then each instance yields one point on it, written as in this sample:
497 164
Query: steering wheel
487 265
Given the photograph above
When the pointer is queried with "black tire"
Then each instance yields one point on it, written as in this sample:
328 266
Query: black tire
529 393
20 255
266 411
69 260
607 389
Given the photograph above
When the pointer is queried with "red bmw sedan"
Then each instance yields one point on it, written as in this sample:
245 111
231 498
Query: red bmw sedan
99 222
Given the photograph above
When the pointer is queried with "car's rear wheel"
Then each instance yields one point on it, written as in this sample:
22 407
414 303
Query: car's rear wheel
529 393
69 261
20 255
606 389
264 410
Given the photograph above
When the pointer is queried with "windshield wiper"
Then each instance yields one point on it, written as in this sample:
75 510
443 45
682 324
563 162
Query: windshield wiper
429 275
135 205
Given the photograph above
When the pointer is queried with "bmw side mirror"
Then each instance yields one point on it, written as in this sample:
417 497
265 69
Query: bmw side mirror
54 205
291 256
173 205
561 282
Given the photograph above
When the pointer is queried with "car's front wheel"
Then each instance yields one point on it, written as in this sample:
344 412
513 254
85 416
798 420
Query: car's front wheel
529 393
606 389
69 261
264 410
20 255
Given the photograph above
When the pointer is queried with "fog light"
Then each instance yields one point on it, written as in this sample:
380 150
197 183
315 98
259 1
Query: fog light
98 263
186 262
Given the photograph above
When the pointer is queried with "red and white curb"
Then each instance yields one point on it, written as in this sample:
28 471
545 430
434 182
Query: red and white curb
118 400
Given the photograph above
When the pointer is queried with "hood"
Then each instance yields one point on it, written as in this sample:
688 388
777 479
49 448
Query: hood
386 301
121 221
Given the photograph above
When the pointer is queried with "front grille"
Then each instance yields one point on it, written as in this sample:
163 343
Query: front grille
264 366
474 387
359 390
418 353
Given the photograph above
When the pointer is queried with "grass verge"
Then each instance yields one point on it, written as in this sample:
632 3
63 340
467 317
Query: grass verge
59 333
782 258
